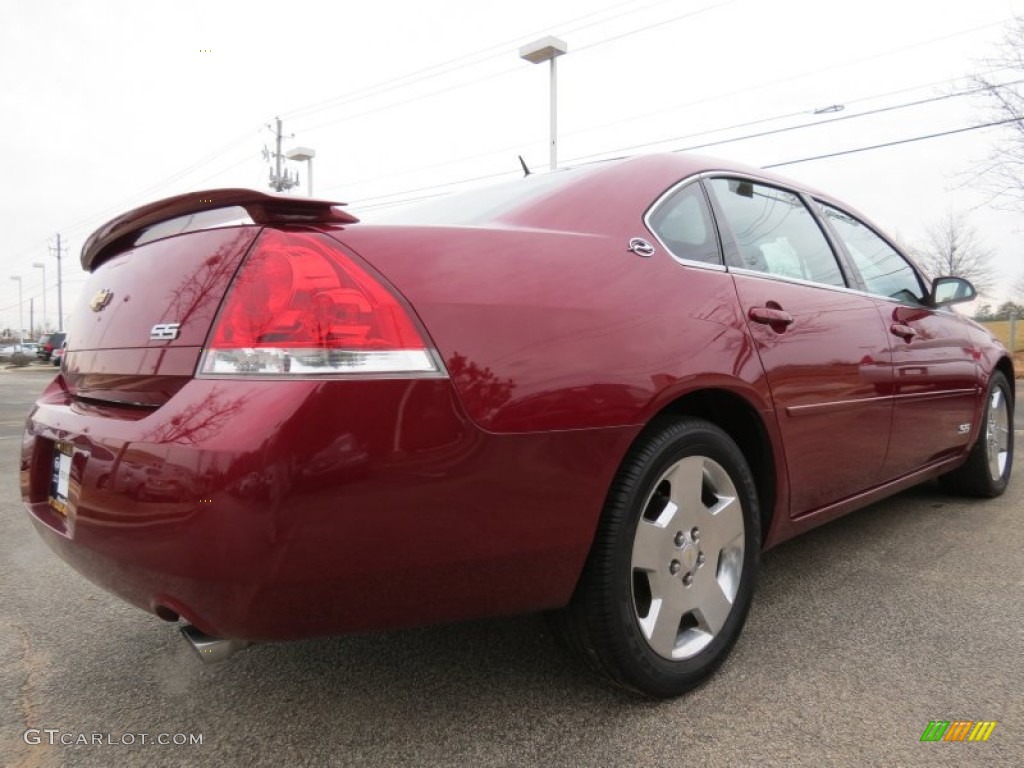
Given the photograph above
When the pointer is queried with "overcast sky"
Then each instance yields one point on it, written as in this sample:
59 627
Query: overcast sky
108 105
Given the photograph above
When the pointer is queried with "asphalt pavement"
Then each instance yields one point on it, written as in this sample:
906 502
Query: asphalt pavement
861 632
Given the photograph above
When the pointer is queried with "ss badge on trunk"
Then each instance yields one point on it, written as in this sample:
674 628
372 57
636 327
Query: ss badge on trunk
164 332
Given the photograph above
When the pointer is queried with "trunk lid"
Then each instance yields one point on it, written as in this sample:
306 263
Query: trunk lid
157 277
138 330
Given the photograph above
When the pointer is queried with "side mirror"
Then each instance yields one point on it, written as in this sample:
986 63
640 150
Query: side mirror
951 290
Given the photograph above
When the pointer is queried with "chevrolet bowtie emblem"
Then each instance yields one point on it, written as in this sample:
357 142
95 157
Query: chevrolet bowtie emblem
100 300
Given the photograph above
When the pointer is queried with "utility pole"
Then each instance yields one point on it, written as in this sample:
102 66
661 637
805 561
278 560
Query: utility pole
279 182
60 294
31 318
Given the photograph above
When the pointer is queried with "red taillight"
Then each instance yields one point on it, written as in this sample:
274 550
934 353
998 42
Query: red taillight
301 305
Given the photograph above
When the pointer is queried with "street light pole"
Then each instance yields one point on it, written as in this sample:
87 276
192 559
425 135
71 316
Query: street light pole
548 49
553 111
41 265
21 313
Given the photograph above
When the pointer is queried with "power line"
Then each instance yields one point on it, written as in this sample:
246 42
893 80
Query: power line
501 49
846 102
510 70
326 104
404 102
418 76
493 75
895 143
681 16
849 62
719 129
205 160
120 207
716 97
759 86
840 153
227 168
759 134
165 182
787 129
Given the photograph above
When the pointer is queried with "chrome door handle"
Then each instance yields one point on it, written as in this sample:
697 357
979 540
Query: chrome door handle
905 332
777 318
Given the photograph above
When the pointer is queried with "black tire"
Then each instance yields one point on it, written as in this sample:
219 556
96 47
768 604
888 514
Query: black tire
631 578
987 470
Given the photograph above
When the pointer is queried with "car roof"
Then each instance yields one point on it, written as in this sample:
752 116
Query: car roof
592 197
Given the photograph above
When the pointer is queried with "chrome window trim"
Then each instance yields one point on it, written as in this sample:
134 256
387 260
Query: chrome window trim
799 281
653 208
804 195
696 264
842 289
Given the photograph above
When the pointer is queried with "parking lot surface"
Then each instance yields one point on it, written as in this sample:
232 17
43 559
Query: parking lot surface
861 633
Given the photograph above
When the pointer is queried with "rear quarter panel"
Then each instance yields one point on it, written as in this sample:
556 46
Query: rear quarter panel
545 330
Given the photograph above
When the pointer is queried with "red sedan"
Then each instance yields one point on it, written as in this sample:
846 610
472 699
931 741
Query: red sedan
600 393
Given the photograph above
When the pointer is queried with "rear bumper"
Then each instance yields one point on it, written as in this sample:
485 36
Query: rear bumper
273 510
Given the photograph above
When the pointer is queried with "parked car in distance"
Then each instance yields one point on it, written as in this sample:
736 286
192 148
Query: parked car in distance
58 355
48 343
18 354
599 393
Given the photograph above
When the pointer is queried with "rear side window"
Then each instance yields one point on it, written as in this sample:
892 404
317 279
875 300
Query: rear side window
884 271
683 224
775 233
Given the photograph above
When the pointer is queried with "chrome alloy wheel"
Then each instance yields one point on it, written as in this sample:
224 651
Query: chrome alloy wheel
997 433
687 557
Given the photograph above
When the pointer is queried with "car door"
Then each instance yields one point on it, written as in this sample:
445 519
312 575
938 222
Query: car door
935 366
823 348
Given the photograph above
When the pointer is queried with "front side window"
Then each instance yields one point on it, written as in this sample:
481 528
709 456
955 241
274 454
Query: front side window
775 233
683 224
884 271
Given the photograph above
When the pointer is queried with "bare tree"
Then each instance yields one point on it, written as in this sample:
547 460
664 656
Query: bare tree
1017 289
953 247
1002 86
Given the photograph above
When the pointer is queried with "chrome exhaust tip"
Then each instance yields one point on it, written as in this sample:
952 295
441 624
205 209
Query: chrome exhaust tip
211 649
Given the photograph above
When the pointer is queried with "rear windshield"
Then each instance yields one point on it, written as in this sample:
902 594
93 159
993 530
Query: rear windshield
475 206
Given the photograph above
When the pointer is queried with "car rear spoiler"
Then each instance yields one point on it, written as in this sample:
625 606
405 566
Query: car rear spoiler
262 208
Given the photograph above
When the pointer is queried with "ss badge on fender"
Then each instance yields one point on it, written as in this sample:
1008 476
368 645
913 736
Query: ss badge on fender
164 332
